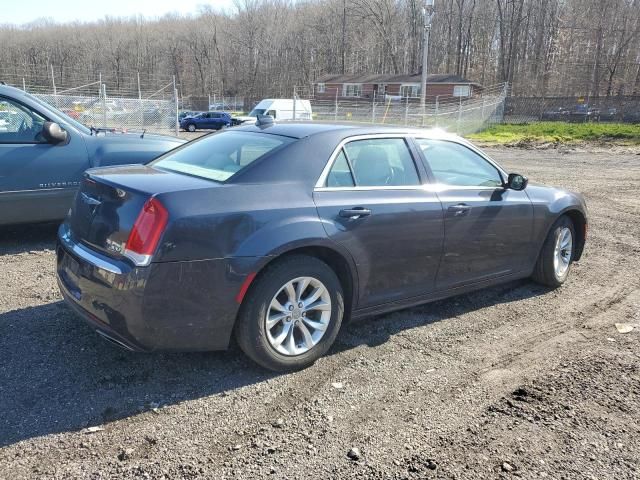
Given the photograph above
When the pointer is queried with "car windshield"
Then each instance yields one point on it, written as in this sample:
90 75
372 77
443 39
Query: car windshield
218 157
257 111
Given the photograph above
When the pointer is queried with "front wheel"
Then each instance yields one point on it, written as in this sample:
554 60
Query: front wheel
291 315
191 127
556 256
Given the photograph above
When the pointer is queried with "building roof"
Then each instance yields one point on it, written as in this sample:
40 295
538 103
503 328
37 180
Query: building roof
392 78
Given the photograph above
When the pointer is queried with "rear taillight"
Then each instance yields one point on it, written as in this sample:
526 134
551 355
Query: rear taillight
146 232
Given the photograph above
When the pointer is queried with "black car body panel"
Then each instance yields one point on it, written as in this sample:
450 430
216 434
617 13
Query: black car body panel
414 247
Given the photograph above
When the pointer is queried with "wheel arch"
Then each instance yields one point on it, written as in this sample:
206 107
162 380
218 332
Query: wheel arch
339 261
579 221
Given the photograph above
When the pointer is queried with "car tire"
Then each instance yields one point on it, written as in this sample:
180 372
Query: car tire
191 127
258 335
554 263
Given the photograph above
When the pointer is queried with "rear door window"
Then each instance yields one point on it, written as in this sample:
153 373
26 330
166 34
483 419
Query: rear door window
378 162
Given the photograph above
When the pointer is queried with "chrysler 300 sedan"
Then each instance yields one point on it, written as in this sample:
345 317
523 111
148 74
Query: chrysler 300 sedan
275 234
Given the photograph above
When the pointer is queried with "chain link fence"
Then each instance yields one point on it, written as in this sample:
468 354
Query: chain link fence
624 109
461 115
94 105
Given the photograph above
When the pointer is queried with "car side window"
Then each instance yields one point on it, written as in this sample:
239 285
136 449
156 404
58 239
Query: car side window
456 165
272 113
378 162
19 124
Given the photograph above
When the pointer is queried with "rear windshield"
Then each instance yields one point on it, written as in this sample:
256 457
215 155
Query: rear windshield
219 156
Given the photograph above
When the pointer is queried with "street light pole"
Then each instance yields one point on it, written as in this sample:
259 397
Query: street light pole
427 13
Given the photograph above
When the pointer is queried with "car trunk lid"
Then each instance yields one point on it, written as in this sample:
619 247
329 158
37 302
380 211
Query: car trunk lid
110 200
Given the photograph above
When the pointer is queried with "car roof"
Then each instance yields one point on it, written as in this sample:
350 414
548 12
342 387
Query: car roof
9 90
304 159
339 130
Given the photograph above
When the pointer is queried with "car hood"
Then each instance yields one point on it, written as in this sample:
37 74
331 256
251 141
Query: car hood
107 148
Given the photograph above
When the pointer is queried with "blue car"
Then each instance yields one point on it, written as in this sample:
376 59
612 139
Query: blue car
44 152
206 121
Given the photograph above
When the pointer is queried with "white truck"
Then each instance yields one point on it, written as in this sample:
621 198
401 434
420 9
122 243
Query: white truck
279 109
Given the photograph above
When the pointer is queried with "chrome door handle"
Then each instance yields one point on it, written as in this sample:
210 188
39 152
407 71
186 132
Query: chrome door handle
357 212
460 209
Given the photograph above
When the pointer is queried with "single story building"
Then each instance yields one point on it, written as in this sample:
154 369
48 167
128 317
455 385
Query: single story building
400 86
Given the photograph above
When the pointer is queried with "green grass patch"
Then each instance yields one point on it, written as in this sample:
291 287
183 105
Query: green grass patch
560 132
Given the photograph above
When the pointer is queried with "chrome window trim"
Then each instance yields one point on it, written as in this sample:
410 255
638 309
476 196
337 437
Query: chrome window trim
433 187
321 183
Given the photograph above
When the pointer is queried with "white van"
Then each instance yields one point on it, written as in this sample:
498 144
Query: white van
280 109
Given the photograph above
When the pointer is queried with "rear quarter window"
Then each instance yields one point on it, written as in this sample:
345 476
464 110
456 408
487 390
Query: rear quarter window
218 157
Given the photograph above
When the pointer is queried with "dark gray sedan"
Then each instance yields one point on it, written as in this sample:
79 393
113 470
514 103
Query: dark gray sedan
278 233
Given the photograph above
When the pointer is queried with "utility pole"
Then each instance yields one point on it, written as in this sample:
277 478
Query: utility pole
344 33
427 13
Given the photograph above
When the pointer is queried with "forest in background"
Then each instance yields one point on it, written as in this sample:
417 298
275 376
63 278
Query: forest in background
267 47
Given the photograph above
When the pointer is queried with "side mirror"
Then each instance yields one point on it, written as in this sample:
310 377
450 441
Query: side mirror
517 181
53 133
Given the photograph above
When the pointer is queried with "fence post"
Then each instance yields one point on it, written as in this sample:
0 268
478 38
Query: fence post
294 103
373 108
459 116
406 112
484 101
140 102
335 114
53 82
437 108
175 110
104 106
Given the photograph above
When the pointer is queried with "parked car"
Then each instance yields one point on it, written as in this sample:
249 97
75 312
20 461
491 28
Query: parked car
279 109
277 233
43 154
187 113
556 114
206 121
111 112
584 113
631 116
220 106
609 115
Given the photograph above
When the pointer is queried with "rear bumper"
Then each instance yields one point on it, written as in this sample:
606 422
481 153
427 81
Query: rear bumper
173 306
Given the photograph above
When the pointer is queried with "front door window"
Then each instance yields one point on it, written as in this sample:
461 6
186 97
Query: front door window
19 124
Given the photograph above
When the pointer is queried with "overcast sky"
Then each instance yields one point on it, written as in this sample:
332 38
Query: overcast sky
24 11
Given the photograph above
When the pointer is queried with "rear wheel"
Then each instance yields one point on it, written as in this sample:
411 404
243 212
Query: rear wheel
291 315
554 263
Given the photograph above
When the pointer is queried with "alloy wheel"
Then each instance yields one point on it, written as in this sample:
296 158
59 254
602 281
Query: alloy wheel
562 252
298 316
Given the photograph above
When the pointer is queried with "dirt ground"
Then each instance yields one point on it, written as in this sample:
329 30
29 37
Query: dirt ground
514 381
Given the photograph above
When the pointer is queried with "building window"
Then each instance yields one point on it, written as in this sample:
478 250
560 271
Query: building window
352 90
321 88
461 91
410 91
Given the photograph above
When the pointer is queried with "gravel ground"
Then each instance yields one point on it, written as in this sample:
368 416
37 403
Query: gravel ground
512 381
